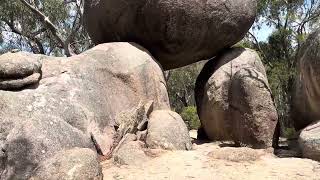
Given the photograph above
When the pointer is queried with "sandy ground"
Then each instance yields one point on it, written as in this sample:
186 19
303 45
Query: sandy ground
212 161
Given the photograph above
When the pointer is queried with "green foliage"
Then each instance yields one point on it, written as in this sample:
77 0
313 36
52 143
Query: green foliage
190 117
181 84
291 21
289 133
23 28
281 77
244 44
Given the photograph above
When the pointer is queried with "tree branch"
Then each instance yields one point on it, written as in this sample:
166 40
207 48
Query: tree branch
27 35
45 20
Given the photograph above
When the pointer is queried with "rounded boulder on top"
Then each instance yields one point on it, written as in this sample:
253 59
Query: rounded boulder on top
177 33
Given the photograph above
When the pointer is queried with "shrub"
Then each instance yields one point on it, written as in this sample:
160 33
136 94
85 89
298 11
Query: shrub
289 133
190 117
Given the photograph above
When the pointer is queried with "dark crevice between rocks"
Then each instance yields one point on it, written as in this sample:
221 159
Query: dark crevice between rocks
276 136
3 160
288 148
96 145
20 84
116 128
138 127
230 144
202 135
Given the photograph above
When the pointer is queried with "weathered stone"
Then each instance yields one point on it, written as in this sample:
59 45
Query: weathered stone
130 122
234 100
70 164
130 152
253 114
3 157
148 108
309 141
142 135
306 97
34 140
19 65
167 130
12 84
85 93
89 90
177 33
126 138
19 70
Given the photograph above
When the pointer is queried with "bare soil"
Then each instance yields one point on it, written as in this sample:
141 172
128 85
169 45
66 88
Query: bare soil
215 161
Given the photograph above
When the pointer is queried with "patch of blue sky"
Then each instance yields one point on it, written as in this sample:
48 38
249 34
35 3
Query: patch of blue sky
263 33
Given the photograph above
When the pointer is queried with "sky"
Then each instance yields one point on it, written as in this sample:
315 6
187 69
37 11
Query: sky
263 33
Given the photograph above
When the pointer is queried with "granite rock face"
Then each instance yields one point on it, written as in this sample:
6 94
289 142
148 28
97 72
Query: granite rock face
76 163
306 96
234 100
32 141
166 130
73 104
309 141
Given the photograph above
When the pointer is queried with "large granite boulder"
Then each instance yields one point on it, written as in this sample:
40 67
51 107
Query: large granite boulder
234 100
309 141
177 33
306 96
167 130
74 104
73 164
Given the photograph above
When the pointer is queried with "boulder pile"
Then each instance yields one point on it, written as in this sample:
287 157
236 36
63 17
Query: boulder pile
75 103
63 115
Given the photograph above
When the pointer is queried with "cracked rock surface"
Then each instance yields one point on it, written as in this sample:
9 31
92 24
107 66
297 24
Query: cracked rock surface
18 70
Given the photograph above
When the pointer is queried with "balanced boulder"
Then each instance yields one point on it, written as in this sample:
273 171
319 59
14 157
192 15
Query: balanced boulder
177 33
306 96
234 100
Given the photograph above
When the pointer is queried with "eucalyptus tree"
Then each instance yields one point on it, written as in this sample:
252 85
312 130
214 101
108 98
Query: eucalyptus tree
291 22
51 27
181 84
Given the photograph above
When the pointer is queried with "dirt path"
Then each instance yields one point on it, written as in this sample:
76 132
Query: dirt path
209 161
